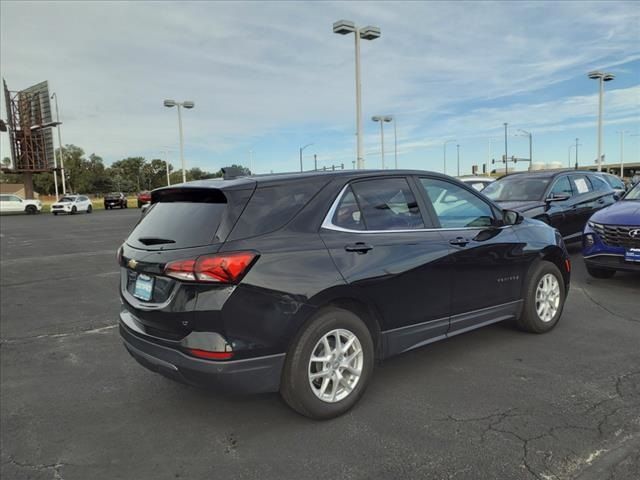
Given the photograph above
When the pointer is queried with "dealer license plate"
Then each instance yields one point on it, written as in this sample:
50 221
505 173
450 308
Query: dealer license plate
144 287
632 255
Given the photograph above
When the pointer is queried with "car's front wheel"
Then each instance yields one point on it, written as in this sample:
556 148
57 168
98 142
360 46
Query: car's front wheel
89 209
73 210
329 365
596 272
544 298
31 210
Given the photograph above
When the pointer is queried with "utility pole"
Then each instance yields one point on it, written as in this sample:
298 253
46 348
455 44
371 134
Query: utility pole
506 158
315 162
576 153
458 147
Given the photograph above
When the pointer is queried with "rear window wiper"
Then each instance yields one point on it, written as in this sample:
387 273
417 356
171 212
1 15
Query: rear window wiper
155 240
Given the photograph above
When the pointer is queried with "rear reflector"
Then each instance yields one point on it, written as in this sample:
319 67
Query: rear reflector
210 355
222 268
567 264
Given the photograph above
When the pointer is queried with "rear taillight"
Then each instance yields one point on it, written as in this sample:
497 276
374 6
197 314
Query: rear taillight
210 355
222 268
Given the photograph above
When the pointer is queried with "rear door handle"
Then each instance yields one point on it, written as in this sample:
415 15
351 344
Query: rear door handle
459 241
358 247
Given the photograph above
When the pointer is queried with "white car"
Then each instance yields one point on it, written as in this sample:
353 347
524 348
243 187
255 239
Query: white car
478 183
72 204
14 204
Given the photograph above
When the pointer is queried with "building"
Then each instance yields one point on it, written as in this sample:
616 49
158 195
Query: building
14 189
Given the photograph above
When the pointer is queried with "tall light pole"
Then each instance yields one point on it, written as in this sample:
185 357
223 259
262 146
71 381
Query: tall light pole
382 119
251 161
444 150
506 157
458 148
491 142
601 77
61 148
186 104
569 159
528 134
166 164
622 132
301 149
345 27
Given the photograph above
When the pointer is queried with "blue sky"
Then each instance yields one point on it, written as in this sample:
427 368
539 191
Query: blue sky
271 76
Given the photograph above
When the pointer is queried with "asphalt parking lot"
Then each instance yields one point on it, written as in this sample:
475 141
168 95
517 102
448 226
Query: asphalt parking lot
492 404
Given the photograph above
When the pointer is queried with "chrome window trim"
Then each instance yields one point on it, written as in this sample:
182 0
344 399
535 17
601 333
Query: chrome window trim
327 224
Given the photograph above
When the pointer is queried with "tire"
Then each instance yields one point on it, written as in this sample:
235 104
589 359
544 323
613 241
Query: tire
89 209
531 320
73 210
139 204
55 213
296 388
596 272
31 210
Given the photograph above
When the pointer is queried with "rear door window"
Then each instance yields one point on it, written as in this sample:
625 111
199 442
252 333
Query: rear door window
273 206
189 220
581 184
387 204
348 214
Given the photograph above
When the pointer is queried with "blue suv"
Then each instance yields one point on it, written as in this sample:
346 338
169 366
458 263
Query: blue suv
611 239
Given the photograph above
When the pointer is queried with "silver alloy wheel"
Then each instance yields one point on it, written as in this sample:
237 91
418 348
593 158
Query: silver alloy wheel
336 365
547 297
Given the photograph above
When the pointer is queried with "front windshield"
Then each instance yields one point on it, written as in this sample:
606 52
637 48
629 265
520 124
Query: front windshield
634 193
67 199
517 189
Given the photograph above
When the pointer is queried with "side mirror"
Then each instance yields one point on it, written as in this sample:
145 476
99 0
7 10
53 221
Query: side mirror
558 197
511 217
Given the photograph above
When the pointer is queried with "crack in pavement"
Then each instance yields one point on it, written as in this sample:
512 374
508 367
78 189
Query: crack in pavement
99 330
611 312
56 467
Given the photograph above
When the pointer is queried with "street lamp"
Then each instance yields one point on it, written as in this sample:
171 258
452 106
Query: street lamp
186 104
345 27
528 134
444 148
576 147
382 119
55 163
622 132
601 77
458 148
506 157
301 149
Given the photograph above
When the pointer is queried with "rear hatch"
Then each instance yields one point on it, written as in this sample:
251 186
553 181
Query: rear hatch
182 223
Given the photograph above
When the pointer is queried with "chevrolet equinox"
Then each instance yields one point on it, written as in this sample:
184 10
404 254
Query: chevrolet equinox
297 283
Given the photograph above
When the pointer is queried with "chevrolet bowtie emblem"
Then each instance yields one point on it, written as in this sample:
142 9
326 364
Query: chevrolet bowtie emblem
132 264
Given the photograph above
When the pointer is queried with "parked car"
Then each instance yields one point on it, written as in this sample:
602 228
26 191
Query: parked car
115 199
616 183
611 239
143 198
564 199
72 204
479 183
14 204
298 282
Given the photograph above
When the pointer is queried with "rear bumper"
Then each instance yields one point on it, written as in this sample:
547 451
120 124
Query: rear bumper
611 262
253 375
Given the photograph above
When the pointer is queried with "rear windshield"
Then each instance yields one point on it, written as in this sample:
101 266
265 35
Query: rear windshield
169 225
517 189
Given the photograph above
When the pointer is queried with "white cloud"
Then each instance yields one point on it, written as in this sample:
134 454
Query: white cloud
262 69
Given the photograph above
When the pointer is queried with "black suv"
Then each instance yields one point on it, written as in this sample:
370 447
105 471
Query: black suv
115 199
564 199
298 282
